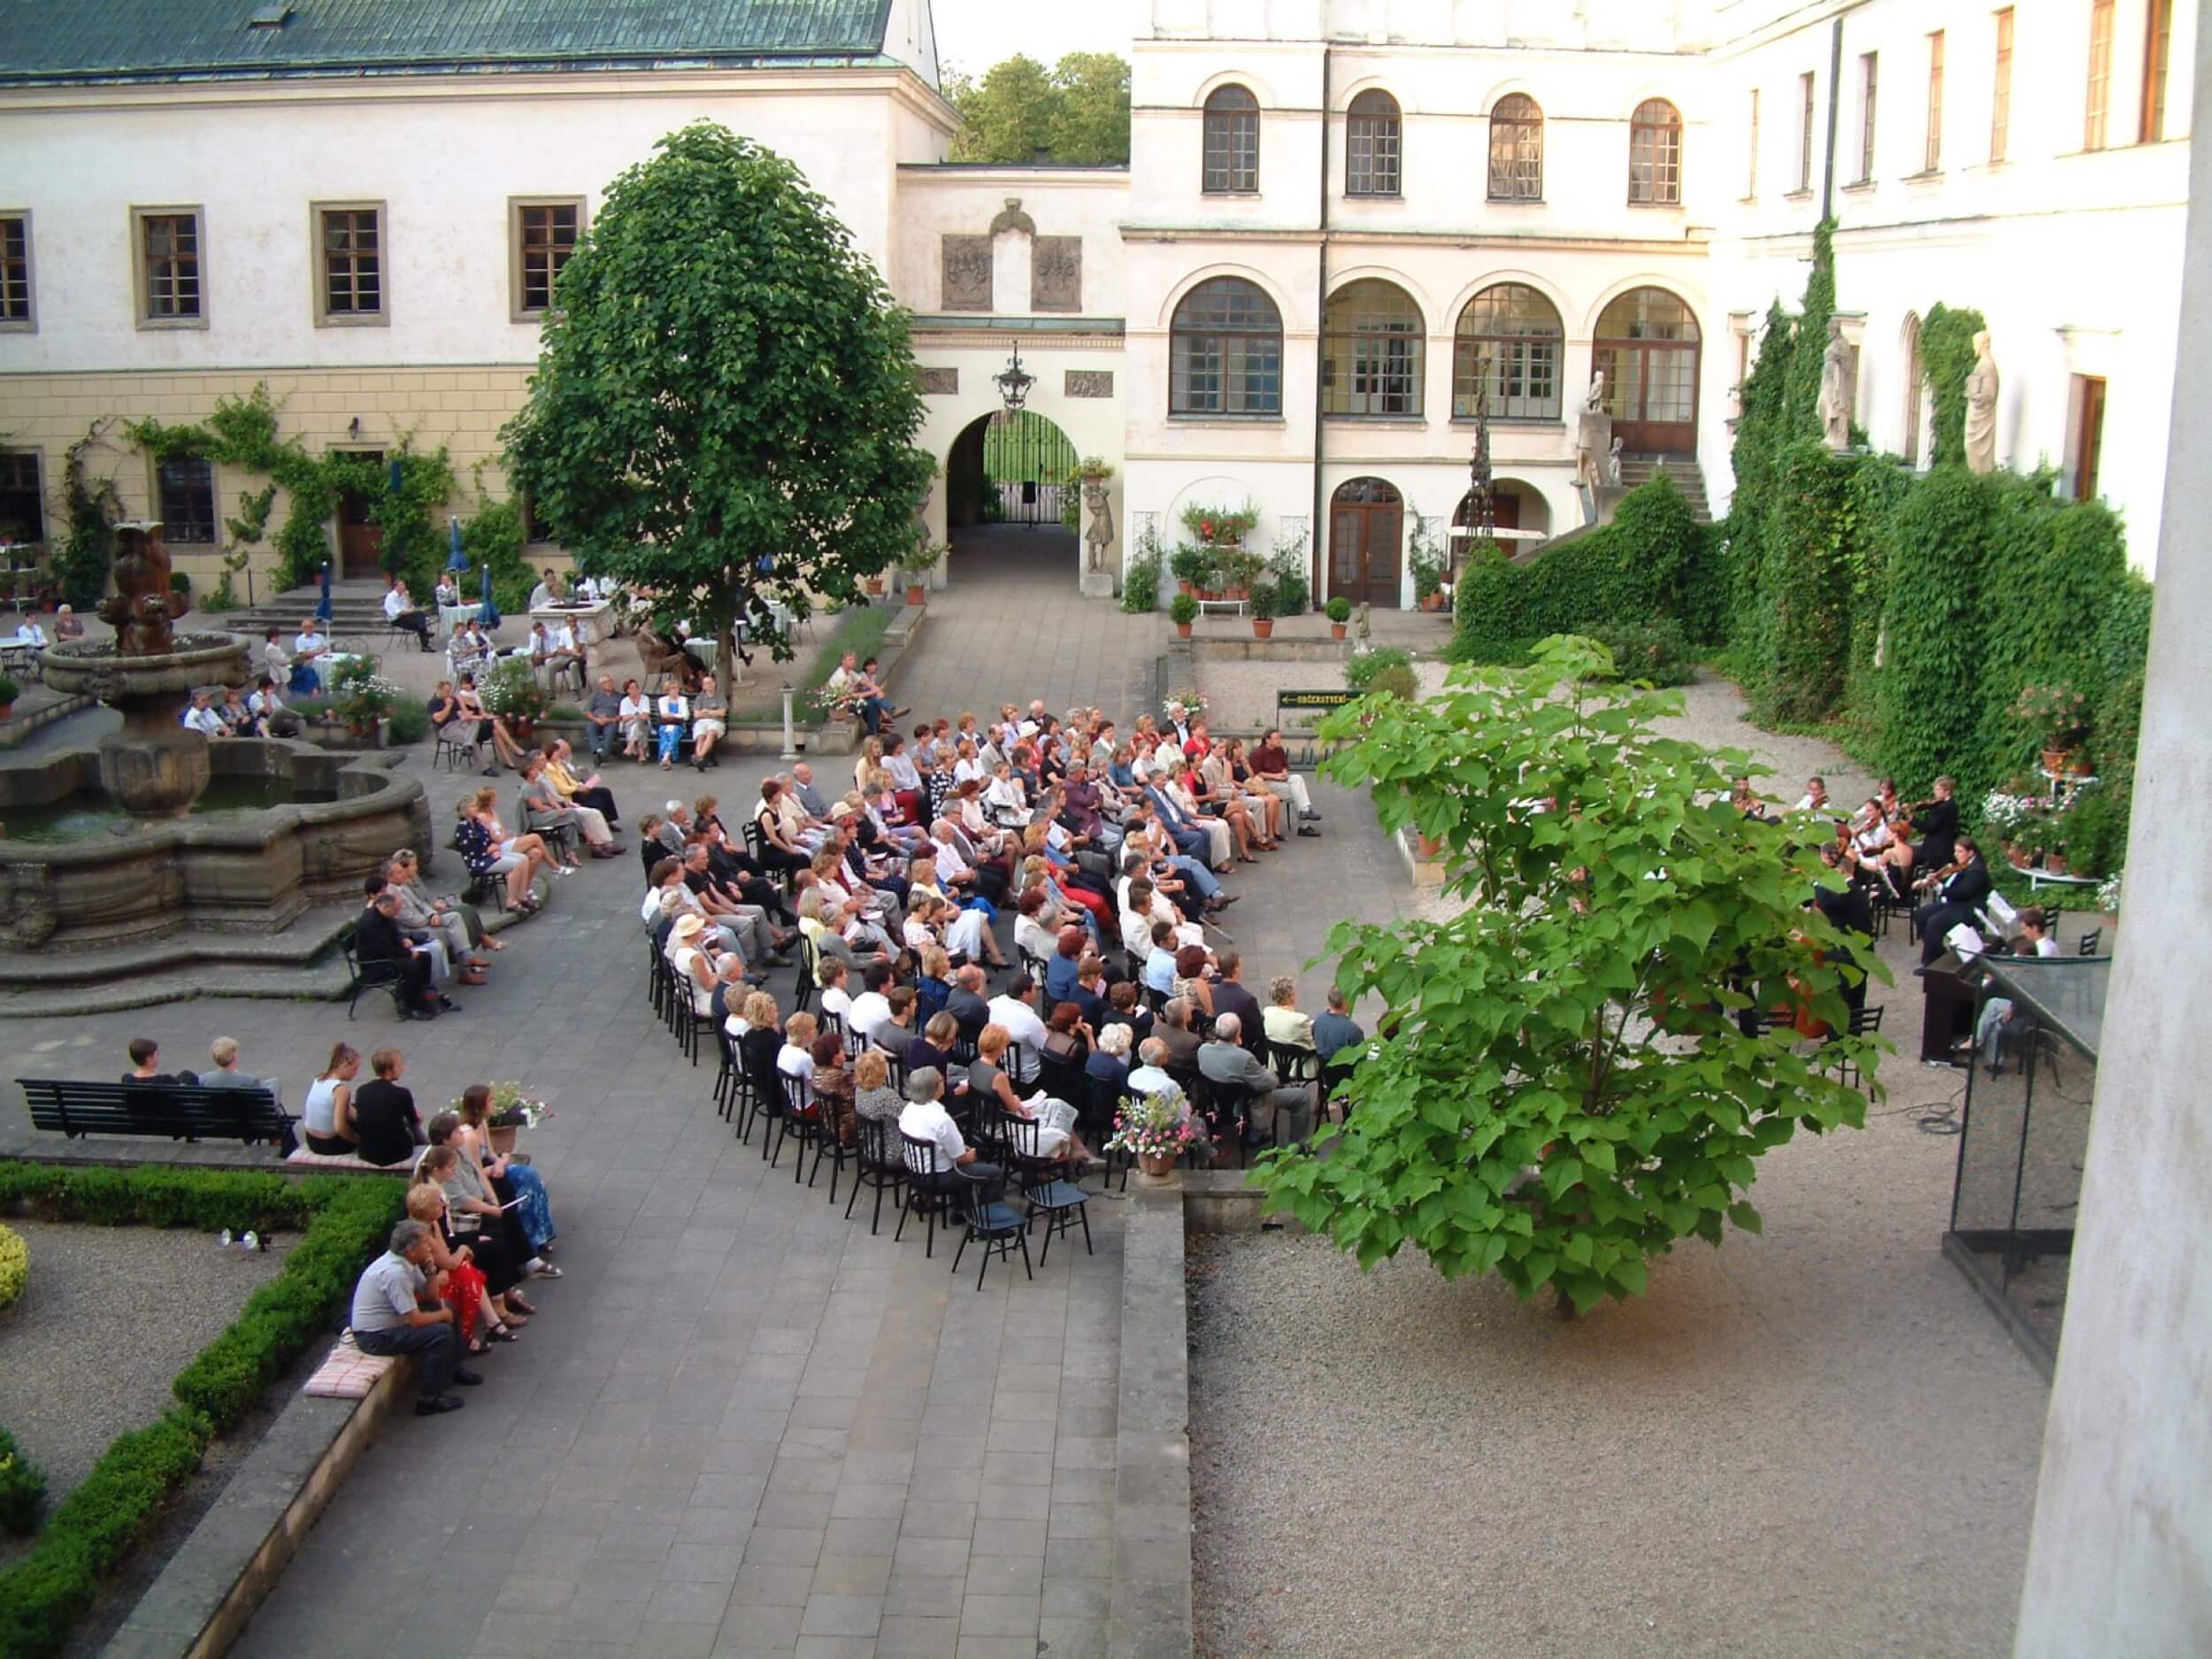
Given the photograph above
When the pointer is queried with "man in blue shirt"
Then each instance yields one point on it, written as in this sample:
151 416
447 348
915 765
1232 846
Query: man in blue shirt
393 1313
1336 1029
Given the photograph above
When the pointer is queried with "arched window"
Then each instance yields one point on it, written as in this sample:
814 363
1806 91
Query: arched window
1517 150
1916 378
1226 352
1655 154
1232 142
1510 335
1371 345
1648 348
1371 139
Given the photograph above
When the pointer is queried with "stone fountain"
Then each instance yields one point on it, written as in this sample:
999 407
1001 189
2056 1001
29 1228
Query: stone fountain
157 849
154 767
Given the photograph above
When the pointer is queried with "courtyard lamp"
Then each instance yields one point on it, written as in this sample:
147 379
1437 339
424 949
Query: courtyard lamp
1013 382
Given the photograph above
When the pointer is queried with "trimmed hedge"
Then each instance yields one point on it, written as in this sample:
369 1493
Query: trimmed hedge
15 1266
347 1220
22 1488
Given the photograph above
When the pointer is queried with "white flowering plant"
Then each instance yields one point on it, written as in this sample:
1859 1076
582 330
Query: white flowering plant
2109 894
513 1108
361 696
511 690
1187 700
1154 1125
2003 814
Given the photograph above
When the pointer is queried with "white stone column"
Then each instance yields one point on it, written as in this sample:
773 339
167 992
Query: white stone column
2121 1559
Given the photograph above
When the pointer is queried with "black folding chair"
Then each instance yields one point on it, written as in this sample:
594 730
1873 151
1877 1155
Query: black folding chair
877 1168
1864 1022
1045 1185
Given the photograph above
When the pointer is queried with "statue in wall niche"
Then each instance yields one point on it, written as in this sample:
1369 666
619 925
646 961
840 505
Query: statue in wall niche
1835 390
1100 535
1981 409
142 608
1595 401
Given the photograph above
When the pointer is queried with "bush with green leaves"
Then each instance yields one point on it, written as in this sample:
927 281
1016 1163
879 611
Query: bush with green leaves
1386 668
1654 653
1560 1089
1182 611
22 1488
1340 610
347 1221
9 691
15 1266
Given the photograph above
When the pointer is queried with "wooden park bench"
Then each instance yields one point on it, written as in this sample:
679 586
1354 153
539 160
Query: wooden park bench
180 1111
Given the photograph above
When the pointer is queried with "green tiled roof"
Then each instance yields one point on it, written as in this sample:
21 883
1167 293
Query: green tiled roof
72 40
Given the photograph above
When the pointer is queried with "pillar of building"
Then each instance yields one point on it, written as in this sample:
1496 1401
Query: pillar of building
2121 1559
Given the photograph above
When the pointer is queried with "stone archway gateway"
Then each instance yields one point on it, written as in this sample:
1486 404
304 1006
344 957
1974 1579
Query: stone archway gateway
1646 347
1009 469
1366 536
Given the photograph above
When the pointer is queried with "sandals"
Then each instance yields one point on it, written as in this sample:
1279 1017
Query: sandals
503 1333
521 1306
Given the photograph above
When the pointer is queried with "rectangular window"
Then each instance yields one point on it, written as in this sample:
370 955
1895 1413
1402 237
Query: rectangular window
2158 44
1805 132
15 273
22 503
167 246
2089 435
2099 105
1751 182
543 236
1932 158
350 252
2001 90
1869 85
184 489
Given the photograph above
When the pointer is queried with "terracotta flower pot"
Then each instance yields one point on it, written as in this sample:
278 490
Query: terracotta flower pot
1336 630
875 586
1432 602
1158 1165
1184 586
2058 760
1262 627
2054 864
2015 855
916 593
1182 630
6 710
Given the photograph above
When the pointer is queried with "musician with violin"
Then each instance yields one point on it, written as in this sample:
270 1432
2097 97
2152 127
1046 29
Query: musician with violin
1937 820
1954 894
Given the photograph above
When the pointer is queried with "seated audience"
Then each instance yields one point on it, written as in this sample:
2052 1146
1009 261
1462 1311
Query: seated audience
393 1313
327 1114
386 1127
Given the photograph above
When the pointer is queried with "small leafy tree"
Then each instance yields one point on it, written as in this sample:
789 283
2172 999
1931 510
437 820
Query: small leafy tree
1077 113
725 405
1562 1090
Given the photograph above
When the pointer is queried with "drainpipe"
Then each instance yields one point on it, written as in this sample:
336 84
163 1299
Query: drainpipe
1835 103
1315 565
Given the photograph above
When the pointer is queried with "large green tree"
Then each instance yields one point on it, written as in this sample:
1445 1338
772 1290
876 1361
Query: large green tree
726 401
1560 1089
1077 113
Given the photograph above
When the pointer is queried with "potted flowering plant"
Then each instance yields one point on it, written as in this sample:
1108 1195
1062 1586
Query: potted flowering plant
1340 610
1187 701
1264 602
917 565
512 692
512 1111
1220 526
1183 610
1154 1129
1194 568
2061 717
360 696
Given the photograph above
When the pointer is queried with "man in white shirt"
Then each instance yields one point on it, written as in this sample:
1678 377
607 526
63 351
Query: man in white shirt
547 591
310 640
402 611
202 717
954 1167
1151 1077
1015 1010
871 1008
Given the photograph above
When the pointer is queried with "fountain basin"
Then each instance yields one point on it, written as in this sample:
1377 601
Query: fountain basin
286 826
154 766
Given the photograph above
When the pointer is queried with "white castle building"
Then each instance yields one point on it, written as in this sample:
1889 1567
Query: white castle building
1337 214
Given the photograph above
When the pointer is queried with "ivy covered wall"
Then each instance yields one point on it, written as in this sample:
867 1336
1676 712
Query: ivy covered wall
1902 614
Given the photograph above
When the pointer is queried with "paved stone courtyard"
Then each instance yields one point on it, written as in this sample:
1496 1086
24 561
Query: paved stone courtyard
742 1425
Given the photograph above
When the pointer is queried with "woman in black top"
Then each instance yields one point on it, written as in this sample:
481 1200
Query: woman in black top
1938 822
384 1115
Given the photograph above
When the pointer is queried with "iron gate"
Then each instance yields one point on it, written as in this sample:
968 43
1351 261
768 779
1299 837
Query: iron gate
1026 461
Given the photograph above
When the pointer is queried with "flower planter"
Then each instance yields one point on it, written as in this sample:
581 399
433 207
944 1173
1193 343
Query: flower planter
1156 1166
1430 847
7 710
1182 630
2054 864
1336 630
1262 627
2058 760
916 593
1184 587
1432 602
503 1141
2015 855
875 586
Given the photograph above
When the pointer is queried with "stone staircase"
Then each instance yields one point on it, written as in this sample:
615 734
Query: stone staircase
1637 468
356 612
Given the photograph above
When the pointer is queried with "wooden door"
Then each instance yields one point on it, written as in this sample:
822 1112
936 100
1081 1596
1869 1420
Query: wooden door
1366 532
2089 445
360 544
1646 347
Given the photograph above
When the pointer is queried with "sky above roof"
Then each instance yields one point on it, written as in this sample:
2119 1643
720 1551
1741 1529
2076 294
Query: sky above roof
976 33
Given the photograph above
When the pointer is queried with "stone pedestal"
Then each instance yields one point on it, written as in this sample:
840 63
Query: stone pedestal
1098 584
157 773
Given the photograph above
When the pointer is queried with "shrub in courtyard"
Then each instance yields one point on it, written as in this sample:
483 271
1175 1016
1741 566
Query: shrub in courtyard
1386 668
22 1488
1653 653
15 1266
1560 1089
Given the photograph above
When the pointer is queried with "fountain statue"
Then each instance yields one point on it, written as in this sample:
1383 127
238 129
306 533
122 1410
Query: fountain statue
154 767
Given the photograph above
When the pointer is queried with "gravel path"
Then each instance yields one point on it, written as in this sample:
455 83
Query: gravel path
110 1316
1815 1442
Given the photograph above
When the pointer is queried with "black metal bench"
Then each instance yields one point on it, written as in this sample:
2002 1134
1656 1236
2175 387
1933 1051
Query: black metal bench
178 1110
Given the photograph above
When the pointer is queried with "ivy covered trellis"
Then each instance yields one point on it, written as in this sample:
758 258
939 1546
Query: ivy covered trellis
407 488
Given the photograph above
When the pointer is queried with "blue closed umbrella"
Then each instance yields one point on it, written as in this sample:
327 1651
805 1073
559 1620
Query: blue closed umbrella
323 611
455 560
487 613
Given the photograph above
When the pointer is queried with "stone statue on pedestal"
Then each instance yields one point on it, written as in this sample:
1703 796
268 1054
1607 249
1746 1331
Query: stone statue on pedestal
1100 535
1613 463
1835 390
1981 409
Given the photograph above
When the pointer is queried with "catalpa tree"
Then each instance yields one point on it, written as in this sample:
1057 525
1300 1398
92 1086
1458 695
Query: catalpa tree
724 404
1561 1088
